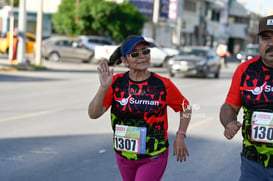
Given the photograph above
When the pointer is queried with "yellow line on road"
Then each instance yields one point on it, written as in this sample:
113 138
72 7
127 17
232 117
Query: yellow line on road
29 115
200 122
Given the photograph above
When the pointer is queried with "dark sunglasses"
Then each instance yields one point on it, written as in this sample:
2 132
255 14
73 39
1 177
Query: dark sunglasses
136 54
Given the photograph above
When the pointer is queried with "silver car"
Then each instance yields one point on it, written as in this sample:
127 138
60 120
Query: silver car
64 48
199 60
91 41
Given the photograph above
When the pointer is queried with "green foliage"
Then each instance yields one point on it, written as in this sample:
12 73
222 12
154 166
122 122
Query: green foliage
15 2
98 17
63 20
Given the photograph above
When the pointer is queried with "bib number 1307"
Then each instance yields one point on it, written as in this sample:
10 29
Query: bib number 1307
130 139
126 144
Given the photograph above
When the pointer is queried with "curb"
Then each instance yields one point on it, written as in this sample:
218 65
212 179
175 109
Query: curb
6 66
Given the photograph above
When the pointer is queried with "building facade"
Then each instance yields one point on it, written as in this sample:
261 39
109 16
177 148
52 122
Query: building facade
179 22
202 22
49 7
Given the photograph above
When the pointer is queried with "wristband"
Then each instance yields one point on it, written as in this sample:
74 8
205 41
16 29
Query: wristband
181 132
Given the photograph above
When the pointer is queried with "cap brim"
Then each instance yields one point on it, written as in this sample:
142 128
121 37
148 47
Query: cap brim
130 44
137 43
263 31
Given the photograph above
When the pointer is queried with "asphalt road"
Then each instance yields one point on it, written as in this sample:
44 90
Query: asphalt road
46 135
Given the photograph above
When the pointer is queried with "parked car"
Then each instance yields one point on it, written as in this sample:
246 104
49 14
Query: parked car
170 51
63 48
159 56
92 41
200 60
251 50
29 41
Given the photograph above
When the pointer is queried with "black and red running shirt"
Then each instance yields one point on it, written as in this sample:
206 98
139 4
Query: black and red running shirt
144 104
252 88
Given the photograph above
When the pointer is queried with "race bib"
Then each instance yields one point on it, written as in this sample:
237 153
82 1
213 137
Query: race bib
130 139
262 127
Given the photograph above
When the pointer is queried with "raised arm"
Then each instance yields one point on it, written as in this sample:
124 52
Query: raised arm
96 108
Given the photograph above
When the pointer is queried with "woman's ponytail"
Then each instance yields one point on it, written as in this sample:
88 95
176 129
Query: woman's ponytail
115 57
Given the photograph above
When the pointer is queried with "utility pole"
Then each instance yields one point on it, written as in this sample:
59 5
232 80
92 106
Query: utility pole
179 21
39 32
155 16
11 32
21 32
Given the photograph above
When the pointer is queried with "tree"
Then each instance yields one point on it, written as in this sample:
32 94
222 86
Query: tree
15 2
63 20
97 17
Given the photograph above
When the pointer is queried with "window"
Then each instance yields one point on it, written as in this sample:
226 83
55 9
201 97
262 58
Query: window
236 19
99 41
215 16
190 5
63 43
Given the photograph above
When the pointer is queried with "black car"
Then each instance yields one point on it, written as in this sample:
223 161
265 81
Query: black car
251 51
200 60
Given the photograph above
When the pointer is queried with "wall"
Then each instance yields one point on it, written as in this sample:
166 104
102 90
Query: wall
49 6
31 21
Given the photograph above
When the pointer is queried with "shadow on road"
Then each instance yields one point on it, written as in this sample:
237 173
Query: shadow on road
91 157
21 78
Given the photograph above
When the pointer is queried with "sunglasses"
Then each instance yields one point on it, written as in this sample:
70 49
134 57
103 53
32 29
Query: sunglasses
144 52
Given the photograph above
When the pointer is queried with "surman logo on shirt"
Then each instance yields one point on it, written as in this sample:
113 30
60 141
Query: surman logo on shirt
269 22
123 101
132 100
260 89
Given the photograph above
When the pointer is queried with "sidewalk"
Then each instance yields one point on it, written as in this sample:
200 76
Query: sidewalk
6 65
4 61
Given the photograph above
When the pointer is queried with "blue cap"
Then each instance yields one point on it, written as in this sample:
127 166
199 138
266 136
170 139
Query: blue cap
131 43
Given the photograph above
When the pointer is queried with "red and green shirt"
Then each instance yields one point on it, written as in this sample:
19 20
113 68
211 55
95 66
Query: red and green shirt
252 88
142 105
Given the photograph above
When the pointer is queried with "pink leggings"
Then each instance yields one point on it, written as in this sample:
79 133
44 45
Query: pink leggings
148 169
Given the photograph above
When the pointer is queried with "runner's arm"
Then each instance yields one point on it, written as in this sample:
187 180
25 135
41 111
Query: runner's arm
228 118
180 147
228 113
96 107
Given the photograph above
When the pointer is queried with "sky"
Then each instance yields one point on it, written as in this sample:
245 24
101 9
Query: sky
261 7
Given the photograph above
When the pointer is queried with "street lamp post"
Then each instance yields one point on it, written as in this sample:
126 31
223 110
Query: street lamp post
21 32
11 32
179 21
155 16
38 42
